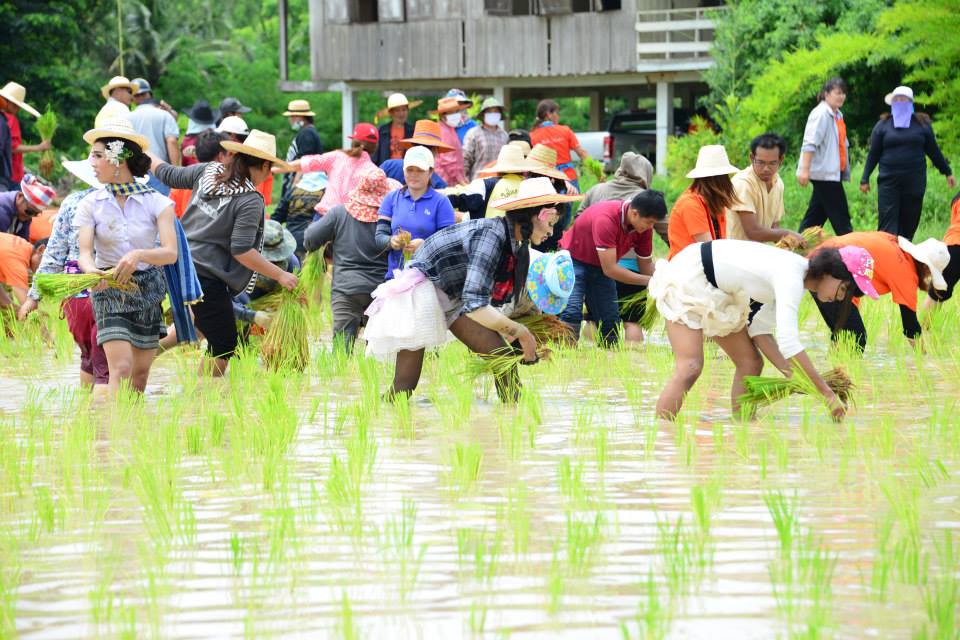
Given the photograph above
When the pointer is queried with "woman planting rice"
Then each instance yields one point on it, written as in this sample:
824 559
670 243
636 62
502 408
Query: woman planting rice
453 281
224 226
900 269
951 274
121 222
706 291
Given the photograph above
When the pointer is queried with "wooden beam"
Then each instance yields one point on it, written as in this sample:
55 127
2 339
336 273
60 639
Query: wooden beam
282 13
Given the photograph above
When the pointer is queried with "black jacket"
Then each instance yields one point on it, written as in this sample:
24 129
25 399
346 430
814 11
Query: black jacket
382 153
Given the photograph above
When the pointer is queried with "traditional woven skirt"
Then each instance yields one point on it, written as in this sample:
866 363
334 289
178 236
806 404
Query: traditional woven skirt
684 295
136 317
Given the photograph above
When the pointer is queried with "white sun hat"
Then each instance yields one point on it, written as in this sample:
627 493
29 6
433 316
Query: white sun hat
931 252
712 160
902 90
235 125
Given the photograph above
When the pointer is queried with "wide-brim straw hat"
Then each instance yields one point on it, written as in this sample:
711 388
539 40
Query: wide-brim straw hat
116 127
17 94
509 160
118 82
534 192
399 100
712 160
258 144
543 159
427 133
298 108
523 145
447 105
931 252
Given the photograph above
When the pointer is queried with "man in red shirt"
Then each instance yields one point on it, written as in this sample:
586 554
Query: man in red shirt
601 235
12 99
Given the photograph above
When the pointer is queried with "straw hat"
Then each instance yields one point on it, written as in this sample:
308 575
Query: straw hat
543 159
116 127
931 252
523 145
427 133
712 160
17 94
298 108
447 105
509 160
259 145
399 100
534 192
118 82
902 90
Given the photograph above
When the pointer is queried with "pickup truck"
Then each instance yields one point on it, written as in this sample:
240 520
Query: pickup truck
637 131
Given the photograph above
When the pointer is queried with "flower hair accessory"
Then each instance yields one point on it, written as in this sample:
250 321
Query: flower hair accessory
116 152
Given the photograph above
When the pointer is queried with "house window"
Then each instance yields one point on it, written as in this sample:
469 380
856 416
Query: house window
367 11
547 7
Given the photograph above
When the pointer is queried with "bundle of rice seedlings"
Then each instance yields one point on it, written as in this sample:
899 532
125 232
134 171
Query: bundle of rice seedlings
269 302
813 236
60 286
47 126
765 390
285 344
500 362
593 167
313 272
635 301
546 328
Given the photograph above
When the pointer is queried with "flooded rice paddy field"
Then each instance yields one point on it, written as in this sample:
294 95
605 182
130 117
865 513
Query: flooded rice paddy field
275 504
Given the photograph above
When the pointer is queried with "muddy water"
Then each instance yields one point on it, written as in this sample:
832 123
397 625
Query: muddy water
100 571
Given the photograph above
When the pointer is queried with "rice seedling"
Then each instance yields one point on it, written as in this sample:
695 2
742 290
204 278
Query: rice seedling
583 536
60 286
762 391
398 545
653 617
346 627
465 461
546 328
640 302
477 621
313 274
812 236
555 583
285 344
46 127
941 597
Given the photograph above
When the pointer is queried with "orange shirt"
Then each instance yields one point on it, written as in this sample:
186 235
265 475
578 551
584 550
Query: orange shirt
266 189
689 217
181 198
397 133
953 231
561 139
15 255
893 269
42 226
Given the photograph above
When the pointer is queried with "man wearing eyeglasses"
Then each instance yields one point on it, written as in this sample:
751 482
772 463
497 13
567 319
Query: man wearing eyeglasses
19 208
760 192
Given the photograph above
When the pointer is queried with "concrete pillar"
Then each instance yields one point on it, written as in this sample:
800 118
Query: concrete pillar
503 95
664 122
348 113
596 110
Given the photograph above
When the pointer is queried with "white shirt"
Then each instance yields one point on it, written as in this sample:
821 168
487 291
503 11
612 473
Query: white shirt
768 275
118 231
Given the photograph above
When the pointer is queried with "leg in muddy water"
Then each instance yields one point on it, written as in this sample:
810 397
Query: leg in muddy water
485 341
687 345
120 361
746 358
142 360
406 374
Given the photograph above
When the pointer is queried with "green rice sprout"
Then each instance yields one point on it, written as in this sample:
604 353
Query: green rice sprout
594 168
47 126
546 328
812 236
640 300
285 344
765 390
313 272
60 286
500 362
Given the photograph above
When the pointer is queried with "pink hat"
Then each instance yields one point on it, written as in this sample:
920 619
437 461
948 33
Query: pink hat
859 263
37 194
363 202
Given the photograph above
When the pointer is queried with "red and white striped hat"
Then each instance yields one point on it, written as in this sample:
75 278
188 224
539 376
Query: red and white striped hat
38 195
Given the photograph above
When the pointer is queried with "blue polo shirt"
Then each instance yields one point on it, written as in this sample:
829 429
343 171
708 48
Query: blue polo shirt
422 218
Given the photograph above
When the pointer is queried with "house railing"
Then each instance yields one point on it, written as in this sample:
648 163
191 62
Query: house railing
675 34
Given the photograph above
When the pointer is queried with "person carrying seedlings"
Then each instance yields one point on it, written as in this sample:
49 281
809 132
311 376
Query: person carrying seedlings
13 98
900 268
600 236
426 133
453 282
224 225
705 291
359 262
19 208
900 144
121 223
482 144
759 209
413 213
951 274
342 166
62 255
700 213
18 258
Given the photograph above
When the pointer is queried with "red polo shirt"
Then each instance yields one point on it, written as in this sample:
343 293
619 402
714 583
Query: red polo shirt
604 226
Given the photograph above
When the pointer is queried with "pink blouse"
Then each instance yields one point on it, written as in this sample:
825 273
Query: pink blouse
343 174
449 165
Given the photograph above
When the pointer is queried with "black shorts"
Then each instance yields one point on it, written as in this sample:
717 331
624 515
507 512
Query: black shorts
215 319
951 274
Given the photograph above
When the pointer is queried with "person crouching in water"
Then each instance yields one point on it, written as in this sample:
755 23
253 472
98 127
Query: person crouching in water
453 281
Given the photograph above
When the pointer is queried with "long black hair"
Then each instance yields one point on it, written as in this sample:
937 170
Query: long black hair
521 219
828 262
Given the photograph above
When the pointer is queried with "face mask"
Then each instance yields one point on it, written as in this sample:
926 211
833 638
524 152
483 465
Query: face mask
296 126
492 118
453 119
